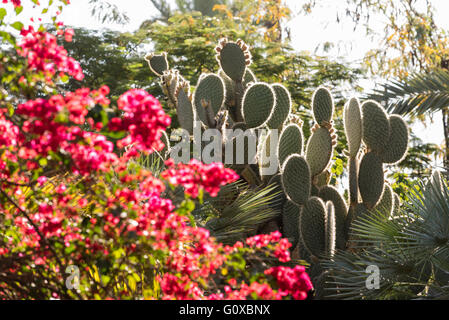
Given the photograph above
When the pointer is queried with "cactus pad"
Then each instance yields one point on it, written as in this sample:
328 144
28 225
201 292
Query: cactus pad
322 106
396 148
265 157
210 89
276 182
296 179
319 150
249 77
330 193
184 110
290 142
322 179
229 88
290 222
330 232
312 224
353 125
158 63
385 205
281 108
371 179
258 104
396 205
376 127
233 58
353 180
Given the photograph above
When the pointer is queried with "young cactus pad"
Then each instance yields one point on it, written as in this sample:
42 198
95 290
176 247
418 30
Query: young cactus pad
322 106
330 229
209 91
353 126
296 179
158 63
330 193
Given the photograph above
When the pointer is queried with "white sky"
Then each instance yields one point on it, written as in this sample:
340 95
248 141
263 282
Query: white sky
307 33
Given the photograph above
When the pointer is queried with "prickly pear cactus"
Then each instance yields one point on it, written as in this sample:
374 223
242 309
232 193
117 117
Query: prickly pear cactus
314 215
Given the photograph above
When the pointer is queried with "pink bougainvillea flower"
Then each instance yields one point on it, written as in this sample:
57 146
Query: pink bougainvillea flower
45 55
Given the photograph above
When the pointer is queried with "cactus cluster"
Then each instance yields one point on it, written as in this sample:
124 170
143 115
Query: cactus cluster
315 216
232 98
324 215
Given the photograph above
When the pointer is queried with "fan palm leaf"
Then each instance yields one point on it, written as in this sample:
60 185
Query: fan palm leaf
238 211
411 250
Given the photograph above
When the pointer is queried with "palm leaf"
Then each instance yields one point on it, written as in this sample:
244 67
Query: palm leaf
418 94
410 250
238 211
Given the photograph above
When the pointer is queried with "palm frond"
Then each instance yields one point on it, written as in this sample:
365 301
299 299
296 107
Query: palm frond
238 211
411 250
418 94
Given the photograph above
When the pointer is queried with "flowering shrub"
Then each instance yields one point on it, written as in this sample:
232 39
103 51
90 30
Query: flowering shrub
143 118
45 55
80 219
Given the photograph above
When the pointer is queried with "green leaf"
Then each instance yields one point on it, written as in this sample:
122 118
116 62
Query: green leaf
43 162
18 10
17 25
2 13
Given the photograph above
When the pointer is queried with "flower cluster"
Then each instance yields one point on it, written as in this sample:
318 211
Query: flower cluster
9 133
45 55
51 126
143 118
16 3
93 153
281 248
196 175
293 282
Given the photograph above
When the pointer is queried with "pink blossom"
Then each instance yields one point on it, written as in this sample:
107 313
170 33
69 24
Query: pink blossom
45 55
